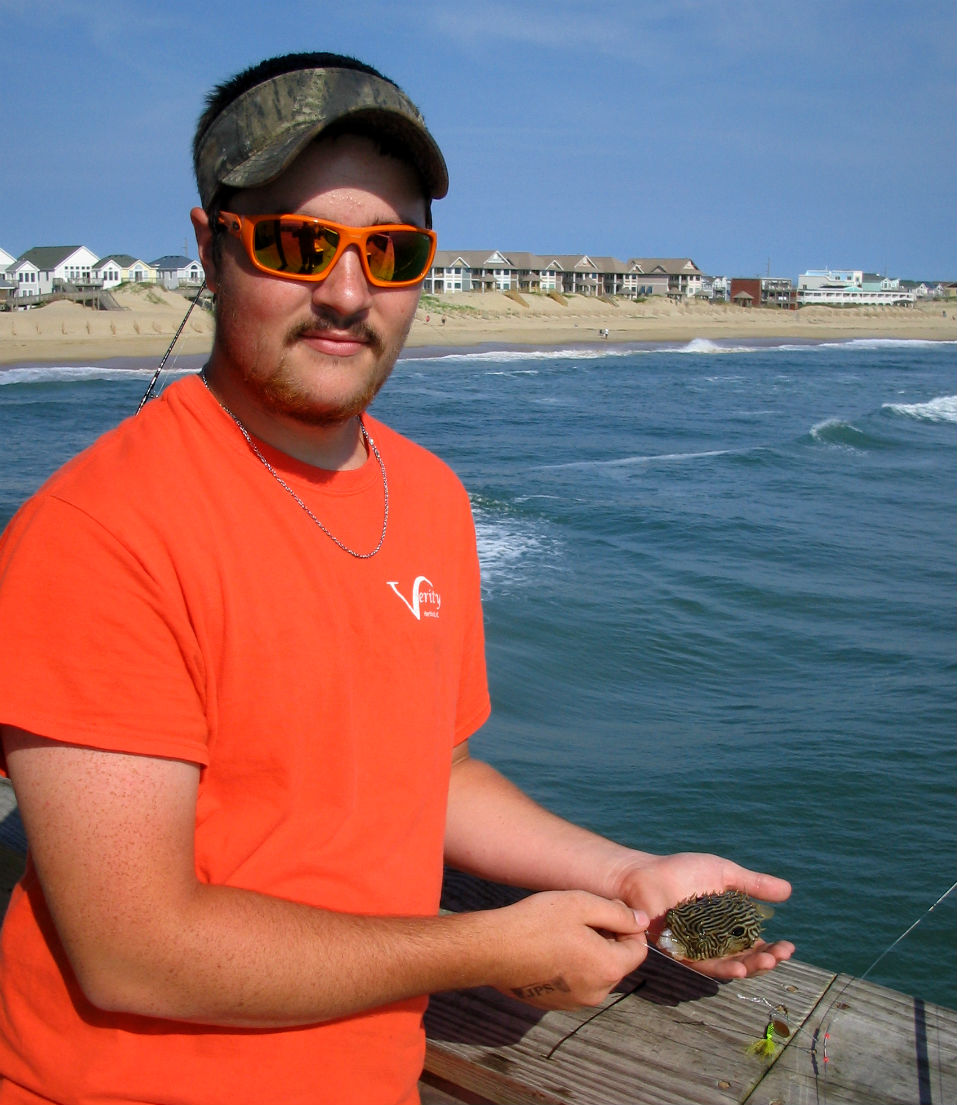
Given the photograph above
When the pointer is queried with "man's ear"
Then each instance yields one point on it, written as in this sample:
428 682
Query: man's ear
204 243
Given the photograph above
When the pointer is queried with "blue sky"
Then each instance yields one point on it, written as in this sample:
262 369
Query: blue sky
745 135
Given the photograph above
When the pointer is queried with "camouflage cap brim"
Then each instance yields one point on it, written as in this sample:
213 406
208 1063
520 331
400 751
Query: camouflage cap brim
263 131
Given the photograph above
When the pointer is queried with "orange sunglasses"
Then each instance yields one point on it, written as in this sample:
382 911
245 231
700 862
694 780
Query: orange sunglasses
299 247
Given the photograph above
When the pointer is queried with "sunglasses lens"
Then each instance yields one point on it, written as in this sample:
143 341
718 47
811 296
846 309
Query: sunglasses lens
395 256
293 247
302 248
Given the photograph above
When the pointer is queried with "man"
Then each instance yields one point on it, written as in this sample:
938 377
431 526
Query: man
241 658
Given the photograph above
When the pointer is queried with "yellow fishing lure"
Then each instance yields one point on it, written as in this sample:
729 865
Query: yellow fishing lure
767 1046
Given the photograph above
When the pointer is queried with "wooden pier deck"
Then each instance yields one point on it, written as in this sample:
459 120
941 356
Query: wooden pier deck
676 1039
670 1036
667 1036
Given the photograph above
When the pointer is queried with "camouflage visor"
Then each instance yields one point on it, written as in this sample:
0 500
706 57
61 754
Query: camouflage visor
256 137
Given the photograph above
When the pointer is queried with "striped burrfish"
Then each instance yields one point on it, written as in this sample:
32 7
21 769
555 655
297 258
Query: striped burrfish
713 925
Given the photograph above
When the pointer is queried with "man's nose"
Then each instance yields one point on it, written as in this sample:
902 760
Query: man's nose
345 290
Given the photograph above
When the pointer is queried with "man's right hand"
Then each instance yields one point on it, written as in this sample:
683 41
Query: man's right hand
565 949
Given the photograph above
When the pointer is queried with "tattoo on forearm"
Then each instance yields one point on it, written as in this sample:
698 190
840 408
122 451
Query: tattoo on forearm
539 989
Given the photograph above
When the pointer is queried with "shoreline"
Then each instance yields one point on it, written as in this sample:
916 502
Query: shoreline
66 333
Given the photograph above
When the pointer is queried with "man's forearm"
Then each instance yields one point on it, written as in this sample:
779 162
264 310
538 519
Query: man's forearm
111 836
237 958
495 830
245 960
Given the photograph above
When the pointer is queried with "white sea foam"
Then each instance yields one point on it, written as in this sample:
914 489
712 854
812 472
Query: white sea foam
696 346
941 409
826 424
631 462
507 548
707 346
838 434
46 374
507 356
888 343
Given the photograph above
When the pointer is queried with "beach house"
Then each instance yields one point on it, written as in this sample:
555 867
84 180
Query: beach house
846 287
175 271
7 286
122 268
762 291
677 277
46 269
567 274
587 274
874 282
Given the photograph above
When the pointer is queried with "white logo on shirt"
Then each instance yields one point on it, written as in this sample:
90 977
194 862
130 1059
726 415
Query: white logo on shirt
425 600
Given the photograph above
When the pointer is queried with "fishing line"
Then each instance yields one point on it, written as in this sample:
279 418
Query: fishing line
778 1014
147 395
906 932
604 1009
638 985
890 947
822 1032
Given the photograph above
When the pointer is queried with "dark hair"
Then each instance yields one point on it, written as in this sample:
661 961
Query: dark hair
225 93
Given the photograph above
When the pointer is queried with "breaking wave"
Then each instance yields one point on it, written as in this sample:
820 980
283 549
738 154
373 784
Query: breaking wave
72 374
941 409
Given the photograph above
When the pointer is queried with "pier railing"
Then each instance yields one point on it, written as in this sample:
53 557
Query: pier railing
667 1035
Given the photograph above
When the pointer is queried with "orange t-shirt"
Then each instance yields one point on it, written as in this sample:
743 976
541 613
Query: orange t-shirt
163 595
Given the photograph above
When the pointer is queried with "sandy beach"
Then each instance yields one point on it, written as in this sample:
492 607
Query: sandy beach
66 333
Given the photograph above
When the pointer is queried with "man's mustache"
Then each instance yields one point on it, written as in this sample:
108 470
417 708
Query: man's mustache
325 321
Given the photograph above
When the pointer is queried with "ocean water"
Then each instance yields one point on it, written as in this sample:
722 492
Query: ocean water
719 587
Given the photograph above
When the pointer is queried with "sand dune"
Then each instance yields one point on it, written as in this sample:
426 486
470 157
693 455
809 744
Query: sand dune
475 317
67 333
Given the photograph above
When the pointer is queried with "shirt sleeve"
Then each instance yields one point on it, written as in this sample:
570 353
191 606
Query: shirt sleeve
95 643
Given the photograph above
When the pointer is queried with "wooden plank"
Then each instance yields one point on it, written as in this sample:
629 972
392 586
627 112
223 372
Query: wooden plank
668 1036
675 1037
666 1043
436 1091
681 1038
883 1048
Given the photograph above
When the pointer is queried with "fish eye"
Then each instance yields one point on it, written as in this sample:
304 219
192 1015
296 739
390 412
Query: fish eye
738 930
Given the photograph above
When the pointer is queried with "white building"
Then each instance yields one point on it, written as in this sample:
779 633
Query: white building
815 279
175 271
8 286
567 274
122 268
845 288
45 269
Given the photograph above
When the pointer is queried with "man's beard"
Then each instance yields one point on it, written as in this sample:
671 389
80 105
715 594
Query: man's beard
281 393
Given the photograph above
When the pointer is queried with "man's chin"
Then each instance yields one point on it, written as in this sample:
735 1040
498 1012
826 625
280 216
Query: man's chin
310 411
299 405
322 391
326 417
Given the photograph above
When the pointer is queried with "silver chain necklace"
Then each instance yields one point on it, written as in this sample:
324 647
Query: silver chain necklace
285 486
